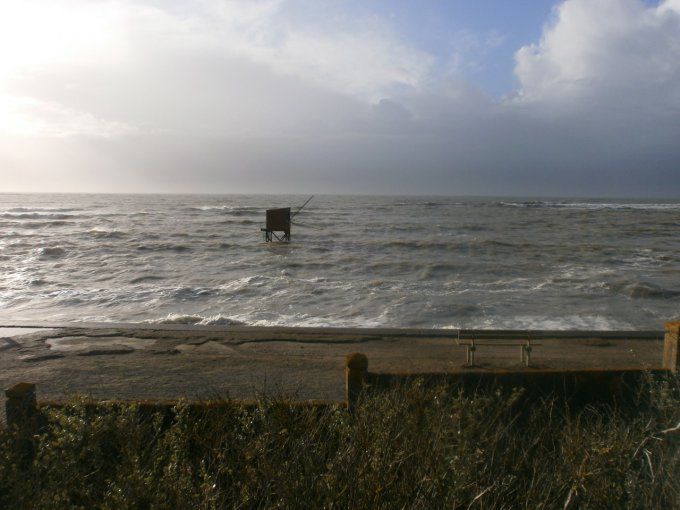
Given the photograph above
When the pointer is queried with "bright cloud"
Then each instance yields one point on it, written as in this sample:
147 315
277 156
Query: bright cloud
249 63
623 50
349 55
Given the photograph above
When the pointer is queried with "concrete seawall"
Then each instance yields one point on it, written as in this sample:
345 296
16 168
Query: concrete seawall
170 361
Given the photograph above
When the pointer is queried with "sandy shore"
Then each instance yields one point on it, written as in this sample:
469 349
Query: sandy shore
130 361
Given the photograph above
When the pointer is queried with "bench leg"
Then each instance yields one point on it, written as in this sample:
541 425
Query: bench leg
527 354
470 355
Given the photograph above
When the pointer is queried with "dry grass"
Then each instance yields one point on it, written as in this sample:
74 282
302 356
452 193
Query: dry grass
410 447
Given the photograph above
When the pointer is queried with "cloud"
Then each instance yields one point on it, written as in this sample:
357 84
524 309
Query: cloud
609 50
29 116
274 95
226 67
605 81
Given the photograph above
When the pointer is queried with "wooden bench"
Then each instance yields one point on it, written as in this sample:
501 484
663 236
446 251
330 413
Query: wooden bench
472 341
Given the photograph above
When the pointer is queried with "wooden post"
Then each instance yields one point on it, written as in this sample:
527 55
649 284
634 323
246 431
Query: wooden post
21 407
356 365
22 414
671 353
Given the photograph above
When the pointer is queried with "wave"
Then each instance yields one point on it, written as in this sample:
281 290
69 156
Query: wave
147 278
196 320
415 244
422 204
54 252
642 290
473 227
304 320
435 271
189 293
38 216
229 209
405 204
42 209
106 234
552 323
466 242
164 247
40 224
248 283
240 222
592 206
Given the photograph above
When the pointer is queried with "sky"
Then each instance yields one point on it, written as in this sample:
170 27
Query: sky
486 97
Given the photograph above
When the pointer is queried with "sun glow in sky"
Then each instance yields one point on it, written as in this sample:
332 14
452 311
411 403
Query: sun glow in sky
578 97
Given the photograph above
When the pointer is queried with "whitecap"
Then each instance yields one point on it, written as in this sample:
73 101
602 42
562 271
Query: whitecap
196 320
106 234
595 206
556 323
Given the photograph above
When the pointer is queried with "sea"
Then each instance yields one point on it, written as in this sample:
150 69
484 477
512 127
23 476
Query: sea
353 261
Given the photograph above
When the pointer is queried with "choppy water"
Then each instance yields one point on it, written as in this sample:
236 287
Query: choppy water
354 261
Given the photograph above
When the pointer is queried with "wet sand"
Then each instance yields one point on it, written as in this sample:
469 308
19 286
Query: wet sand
125 361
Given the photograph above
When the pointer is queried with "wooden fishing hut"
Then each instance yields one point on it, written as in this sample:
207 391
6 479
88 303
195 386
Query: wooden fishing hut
278 225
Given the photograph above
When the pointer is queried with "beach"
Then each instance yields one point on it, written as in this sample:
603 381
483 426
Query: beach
133 361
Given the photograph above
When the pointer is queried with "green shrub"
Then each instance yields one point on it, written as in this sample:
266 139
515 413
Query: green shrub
413 446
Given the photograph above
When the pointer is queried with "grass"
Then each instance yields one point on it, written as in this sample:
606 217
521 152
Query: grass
414 446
